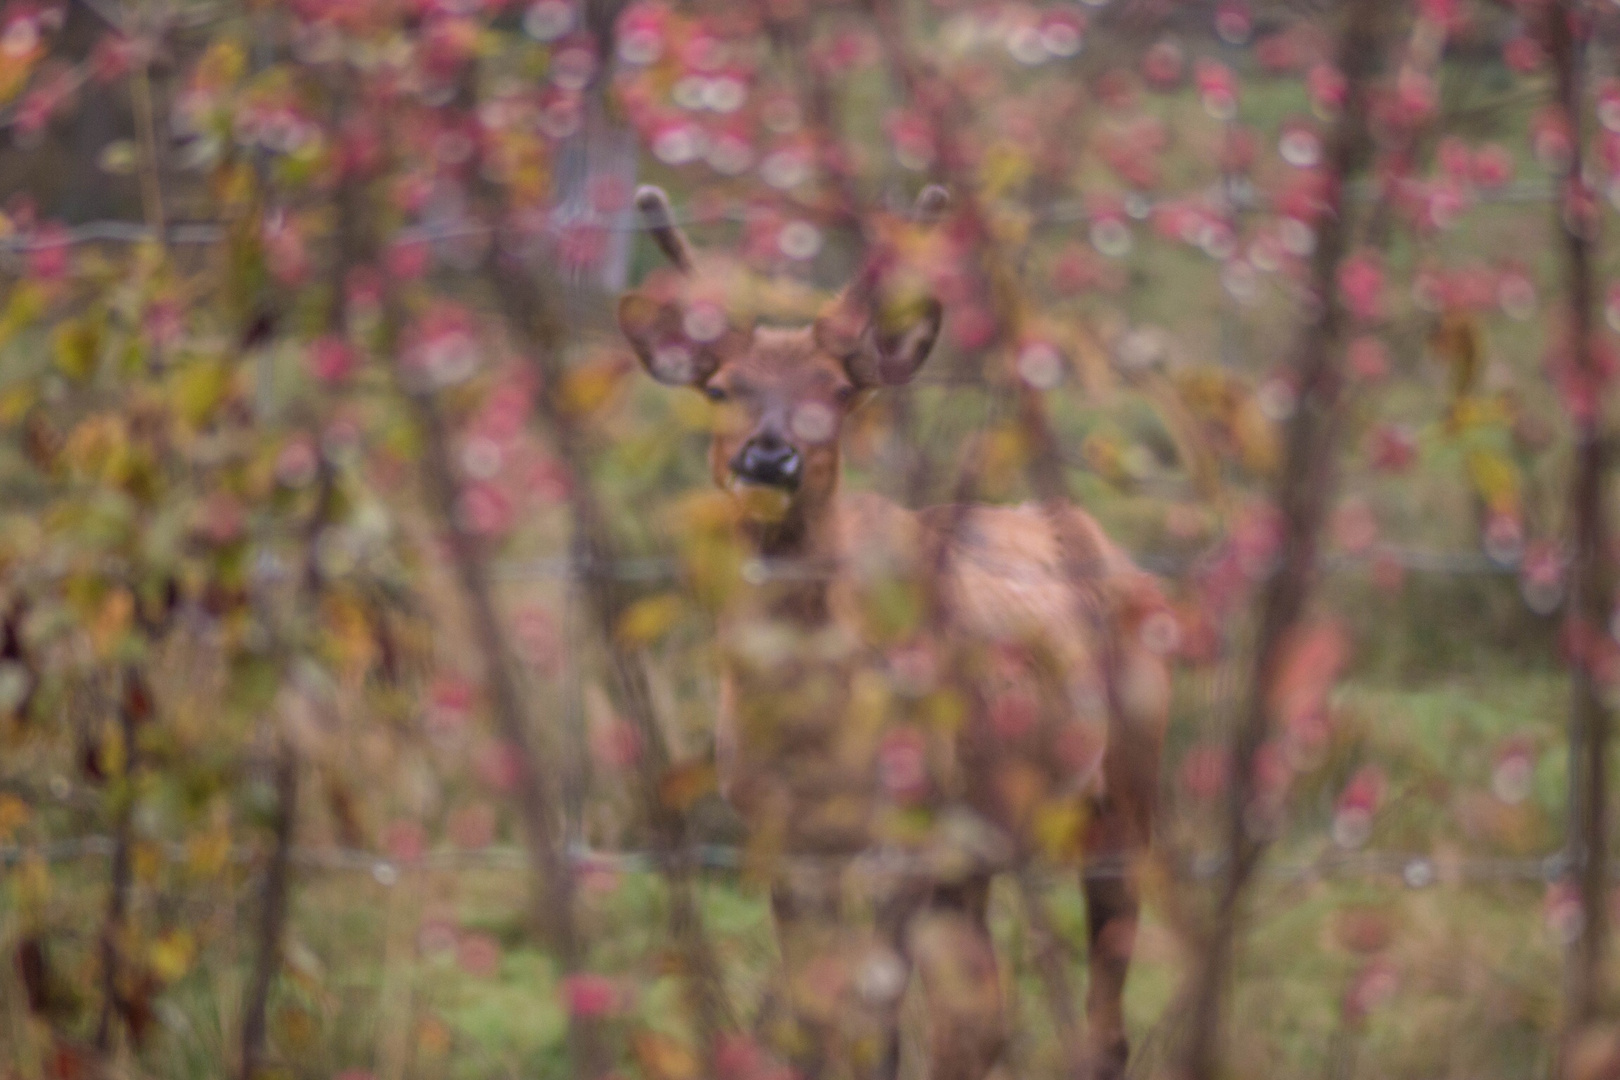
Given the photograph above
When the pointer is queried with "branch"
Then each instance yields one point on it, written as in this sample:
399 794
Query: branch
272 915
536 791
528 314
1591 575
1303 490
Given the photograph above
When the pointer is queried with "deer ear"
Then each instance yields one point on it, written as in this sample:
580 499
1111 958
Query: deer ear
885 349
656 332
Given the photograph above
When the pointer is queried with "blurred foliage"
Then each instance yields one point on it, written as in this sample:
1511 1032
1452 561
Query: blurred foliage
216 549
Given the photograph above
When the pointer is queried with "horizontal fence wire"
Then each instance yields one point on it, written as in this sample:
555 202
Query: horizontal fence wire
1070 212
654 569
1411 870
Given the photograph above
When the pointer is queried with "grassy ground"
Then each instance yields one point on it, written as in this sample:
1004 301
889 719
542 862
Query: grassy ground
374 982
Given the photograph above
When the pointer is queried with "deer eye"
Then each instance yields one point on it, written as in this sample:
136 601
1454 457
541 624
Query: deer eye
714 393
845 394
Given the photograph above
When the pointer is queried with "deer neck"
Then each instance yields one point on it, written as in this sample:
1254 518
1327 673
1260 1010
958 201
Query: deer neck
794 561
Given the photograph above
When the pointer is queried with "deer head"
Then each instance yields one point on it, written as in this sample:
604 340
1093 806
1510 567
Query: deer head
784 392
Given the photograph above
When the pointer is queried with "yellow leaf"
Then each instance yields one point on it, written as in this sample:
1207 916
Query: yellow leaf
198 389
207 852
1020 785
147 860
15 401
586 389
1495 478
112 620
31 884
684 785
75 347
14 814
433 1038
26 304
663 1058
1469 413
1006 165
1105 455
221 65
649 619
1004 455
295 1026
946 711
113 751
762 503
170 956
348 631
1256 437
1059 828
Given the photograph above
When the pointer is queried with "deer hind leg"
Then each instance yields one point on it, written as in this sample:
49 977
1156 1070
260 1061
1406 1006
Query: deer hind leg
1112 906
1120 832
949 945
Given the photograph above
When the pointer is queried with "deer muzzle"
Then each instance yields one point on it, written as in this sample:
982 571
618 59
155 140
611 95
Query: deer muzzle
770 461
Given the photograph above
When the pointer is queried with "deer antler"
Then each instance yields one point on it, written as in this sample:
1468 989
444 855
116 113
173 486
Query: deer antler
655 210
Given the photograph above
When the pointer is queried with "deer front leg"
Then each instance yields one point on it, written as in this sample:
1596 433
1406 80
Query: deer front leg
950 947
1118 839
834 1011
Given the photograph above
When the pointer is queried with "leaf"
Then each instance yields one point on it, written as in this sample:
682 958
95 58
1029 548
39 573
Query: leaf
198 389
75 348
433 1038
14 814
207 852
586 389
683 785
15 401
649 619
171 955
26 305
295 1027
112 621
1495 478
664 1058
1059 829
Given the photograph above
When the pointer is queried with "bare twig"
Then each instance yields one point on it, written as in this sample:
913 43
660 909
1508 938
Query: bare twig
528 314
1303 489
272 915
1591 575
131 698
536 791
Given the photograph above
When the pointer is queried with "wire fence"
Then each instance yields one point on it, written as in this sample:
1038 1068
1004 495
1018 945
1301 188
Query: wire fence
1067 212
1412 870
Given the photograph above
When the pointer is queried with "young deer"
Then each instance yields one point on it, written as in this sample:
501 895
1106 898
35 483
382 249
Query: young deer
921 682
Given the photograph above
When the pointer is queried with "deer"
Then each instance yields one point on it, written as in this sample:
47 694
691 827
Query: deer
1000 724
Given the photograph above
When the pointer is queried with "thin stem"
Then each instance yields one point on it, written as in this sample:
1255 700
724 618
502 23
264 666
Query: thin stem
1303 490
1591 576
140 91
536 791
272 916
529 316
115 921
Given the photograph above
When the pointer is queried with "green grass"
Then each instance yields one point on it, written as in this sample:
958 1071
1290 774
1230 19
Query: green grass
1475 967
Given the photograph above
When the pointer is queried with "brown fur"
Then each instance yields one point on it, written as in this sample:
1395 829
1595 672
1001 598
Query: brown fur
812 710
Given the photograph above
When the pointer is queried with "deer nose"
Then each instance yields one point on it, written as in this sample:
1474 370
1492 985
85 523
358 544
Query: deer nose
768 459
